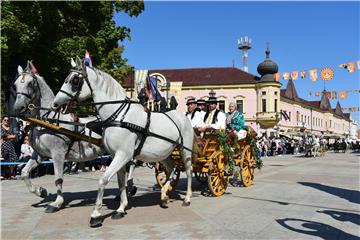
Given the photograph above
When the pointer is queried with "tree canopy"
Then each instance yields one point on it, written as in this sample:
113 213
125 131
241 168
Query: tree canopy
50 33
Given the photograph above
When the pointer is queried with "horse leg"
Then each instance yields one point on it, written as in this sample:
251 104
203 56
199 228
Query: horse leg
59 174
120 212
131 189
25 176
188 169
118 162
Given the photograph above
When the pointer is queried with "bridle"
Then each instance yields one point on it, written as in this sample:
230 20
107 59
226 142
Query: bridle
80 76
34 80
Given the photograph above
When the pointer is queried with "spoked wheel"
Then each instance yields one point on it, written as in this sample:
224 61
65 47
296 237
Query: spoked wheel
247 166
202 177
161 176
217 180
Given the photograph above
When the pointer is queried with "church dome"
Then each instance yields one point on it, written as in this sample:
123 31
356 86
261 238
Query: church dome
267 66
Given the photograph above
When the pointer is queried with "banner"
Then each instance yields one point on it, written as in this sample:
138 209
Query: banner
317 94
277 77
342 95
313 75
140 80
351 67
358 65
327 74
286 75
156 96
303 74
333 95
294 75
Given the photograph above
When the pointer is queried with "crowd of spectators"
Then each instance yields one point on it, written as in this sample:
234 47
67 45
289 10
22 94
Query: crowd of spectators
273 146
16 151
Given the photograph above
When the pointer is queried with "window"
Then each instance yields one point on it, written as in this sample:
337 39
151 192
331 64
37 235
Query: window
308 120
302 118
330 124
264 105
321 123
313 121
297 116
263 93
275 93
240 106
290 116
222 105
275 105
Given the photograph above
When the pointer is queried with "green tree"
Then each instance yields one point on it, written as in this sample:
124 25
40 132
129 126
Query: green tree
50 33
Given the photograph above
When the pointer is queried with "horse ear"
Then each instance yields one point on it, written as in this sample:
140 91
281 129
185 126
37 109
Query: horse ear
78 61
28 65
20 70
73 64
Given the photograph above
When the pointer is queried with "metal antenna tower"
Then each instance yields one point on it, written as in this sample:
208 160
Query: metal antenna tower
244 44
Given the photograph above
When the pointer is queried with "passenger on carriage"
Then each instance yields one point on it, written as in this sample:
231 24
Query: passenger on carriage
193 113
235 122
214 118
201 104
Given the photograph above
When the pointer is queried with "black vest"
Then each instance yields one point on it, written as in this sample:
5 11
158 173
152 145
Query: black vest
214 120
193 113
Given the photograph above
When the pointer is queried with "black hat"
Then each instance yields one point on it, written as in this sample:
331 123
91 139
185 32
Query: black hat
190 101
201 102
212 100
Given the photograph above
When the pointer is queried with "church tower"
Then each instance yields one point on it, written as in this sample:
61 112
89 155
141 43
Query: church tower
268 94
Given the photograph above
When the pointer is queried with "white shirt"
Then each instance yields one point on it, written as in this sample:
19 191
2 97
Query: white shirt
220 123
197 120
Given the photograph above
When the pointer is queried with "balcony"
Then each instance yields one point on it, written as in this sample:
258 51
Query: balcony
267 119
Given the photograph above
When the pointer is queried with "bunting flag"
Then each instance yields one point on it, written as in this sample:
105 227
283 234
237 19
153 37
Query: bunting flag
277 77
343 95
327 74
156 96
303 74
285 75
317 94
310 93
358 65
351 109
333 95
351 67
313 75
88 61
327 94
294 75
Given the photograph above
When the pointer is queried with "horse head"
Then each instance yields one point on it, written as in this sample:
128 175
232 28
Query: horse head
26 87
76 86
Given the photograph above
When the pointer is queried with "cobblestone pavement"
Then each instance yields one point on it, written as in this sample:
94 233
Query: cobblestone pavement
292 198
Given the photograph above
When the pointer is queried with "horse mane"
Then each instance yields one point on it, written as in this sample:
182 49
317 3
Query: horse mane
109 84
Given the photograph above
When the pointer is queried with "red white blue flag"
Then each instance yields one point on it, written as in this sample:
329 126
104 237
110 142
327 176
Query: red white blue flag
88 61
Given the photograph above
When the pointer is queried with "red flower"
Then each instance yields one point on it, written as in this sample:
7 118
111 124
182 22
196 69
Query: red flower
229 139
233 133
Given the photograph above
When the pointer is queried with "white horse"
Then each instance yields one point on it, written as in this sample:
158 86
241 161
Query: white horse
32 89
312 146
84 82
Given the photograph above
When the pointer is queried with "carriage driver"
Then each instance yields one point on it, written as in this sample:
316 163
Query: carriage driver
214 118
193 113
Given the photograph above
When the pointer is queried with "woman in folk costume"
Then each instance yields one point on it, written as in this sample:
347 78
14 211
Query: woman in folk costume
235 121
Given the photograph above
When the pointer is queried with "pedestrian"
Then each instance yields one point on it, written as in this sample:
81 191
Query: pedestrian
8 140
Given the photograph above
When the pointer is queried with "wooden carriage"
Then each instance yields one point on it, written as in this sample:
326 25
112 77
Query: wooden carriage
210 164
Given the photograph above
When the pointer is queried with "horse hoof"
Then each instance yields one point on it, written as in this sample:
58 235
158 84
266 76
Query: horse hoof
118 215
51 209
43 192
95 222
117 198
186 204
164 205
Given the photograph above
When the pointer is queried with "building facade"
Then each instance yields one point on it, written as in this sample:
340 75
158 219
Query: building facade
265 106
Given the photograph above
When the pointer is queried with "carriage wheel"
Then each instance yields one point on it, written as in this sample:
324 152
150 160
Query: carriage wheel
217 180
246 165
161 176
202 177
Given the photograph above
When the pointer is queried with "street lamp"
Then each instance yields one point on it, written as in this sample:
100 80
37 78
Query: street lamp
212 93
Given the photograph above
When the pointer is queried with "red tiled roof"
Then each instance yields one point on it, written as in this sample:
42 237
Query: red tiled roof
203 76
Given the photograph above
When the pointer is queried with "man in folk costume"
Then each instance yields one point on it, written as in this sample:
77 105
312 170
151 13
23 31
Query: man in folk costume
193 114
201 104
213 118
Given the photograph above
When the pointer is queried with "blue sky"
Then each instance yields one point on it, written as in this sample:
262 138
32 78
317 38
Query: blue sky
302 36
